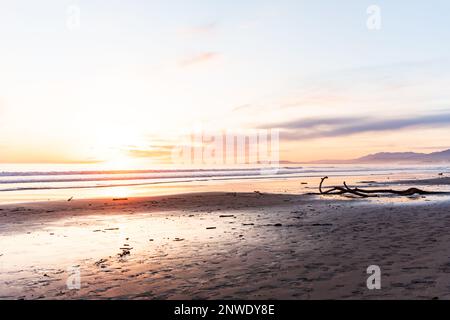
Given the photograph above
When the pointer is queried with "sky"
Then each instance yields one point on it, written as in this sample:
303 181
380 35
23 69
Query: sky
116 81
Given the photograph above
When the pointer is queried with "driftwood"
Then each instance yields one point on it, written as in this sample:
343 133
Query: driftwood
365 193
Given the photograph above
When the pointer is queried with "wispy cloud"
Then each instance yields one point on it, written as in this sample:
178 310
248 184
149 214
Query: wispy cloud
199 58
314 128
313 123
160 152
199 30
242 107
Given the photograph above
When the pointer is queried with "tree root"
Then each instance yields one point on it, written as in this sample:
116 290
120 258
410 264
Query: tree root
365 193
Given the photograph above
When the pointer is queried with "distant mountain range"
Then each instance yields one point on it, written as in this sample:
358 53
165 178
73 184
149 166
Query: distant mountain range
397 157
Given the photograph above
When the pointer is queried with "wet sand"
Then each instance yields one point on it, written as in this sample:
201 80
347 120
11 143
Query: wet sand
226 245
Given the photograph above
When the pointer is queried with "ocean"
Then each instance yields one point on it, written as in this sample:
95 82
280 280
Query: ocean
25 182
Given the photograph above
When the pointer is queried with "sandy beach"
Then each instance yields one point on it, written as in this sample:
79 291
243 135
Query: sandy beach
227 245
224 150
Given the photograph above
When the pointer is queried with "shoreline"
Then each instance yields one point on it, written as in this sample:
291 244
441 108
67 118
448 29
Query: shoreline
22 192
225 245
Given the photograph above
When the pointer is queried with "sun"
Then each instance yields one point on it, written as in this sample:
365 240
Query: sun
120 162
111 146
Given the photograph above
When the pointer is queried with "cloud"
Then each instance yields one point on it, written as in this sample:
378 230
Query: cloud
314 128
161 152
199 58
242 107
313 123
199 30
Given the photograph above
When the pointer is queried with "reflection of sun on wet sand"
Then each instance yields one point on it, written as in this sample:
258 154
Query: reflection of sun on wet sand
226 245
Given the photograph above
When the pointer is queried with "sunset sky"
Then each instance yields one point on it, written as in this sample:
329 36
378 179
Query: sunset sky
133 76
